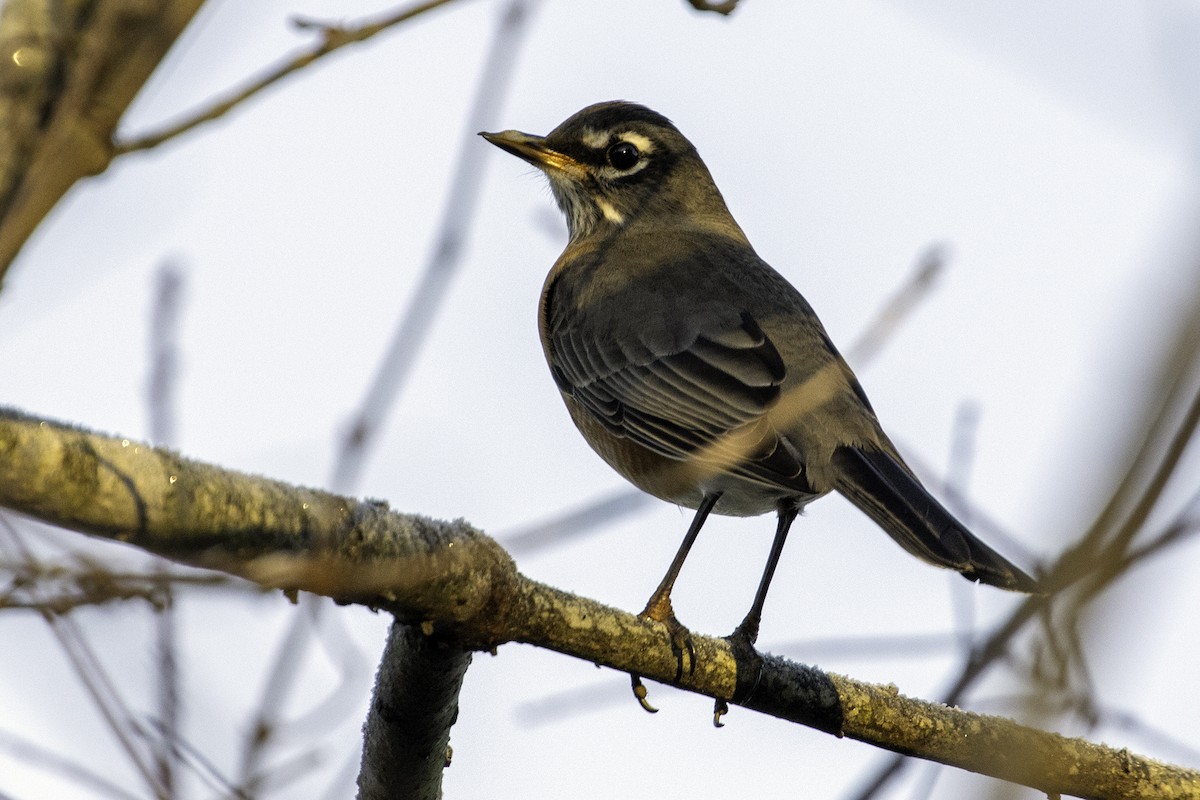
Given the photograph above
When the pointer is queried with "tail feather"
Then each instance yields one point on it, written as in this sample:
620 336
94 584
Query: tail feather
888 493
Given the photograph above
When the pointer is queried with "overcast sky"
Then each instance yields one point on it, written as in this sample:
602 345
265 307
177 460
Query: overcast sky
1050 148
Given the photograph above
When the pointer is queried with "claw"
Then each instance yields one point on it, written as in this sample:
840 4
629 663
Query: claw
720 709
639 691
681 644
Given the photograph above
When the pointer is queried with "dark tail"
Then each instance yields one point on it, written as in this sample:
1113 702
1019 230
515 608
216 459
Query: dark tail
889 494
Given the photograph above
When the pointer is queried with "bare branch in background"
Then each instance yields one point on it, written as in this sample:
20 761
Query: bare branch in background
899 306
58 588
1107 550
430 293
92 675
69 71
35 755
570 525
160 405
165 324
333 38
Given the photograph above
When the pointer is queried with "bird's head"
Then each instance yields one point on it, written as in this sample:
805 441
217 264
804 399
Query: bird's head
619 164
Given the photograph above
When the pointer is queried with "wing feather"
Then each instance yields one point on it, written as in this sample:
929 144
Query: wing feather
701 393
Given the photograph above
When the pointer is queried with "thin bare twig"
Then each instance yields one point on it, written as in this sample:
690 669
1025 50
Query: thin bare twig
333 38
33 754
899 305
570 525
95 680
160 406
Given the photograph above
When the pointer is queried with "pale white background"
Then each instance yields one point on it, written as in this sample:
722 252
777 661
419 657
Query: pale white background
1051 148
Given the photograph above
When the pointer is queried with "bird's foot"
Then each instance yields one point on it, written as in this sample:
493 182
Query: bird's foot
741 641
744 636
682 646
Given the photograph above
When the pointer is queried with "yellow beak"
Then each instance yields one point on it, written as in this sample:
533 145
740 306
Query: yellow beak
534 150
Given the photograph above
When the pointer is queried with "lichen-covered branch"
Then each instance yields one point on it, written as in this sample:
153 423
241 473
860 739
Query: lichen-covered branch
464 590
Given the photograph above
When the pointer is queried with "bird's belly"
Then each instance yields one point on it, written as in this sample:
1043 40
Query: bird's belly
684 482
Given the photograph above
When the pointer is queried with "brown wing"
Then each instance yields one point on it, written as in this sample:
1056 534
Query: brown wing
697 393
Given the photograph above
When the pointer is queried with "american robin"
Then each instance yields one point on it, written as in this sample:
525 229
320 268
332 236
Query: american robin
696 370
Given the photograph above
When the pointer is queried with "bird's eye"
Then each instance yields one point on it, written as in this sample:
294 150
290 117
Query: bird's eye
623 155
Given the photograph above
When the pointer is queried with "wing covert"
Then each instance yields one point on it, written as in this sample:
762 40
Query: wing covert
700 393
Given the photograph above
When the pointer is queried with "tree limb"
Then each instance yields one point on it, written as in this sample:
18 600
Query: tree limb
82 66
407 734
461 587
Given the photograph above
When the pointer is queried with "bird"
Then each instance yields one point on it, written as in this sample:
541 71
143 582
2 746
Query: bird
697 371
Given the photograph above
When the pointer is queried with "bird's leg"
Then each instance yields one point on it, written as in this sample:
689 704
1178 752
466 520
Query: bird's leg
659 608
746 633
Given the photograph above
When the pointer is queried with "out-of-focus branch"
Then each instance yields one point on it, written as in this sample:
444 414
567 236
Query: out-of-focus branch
1111 544
160 406
459 586
56 589
899 306
65 81
32 754
457 218
95 680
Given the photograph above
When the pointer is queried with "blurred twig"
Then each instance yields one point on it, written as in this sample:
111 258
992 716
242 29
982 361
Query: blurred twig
94 678
163 379
570 525
393 370
57 589
32 754
456 222
899 306
160 394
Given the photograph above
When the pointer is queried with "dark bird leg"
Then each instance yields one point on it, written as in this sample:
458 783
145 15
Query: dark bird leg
659 609
746 633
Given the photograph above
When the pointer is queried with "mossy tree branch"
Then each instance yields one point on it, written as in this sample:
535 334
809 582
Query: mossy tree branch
464 593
